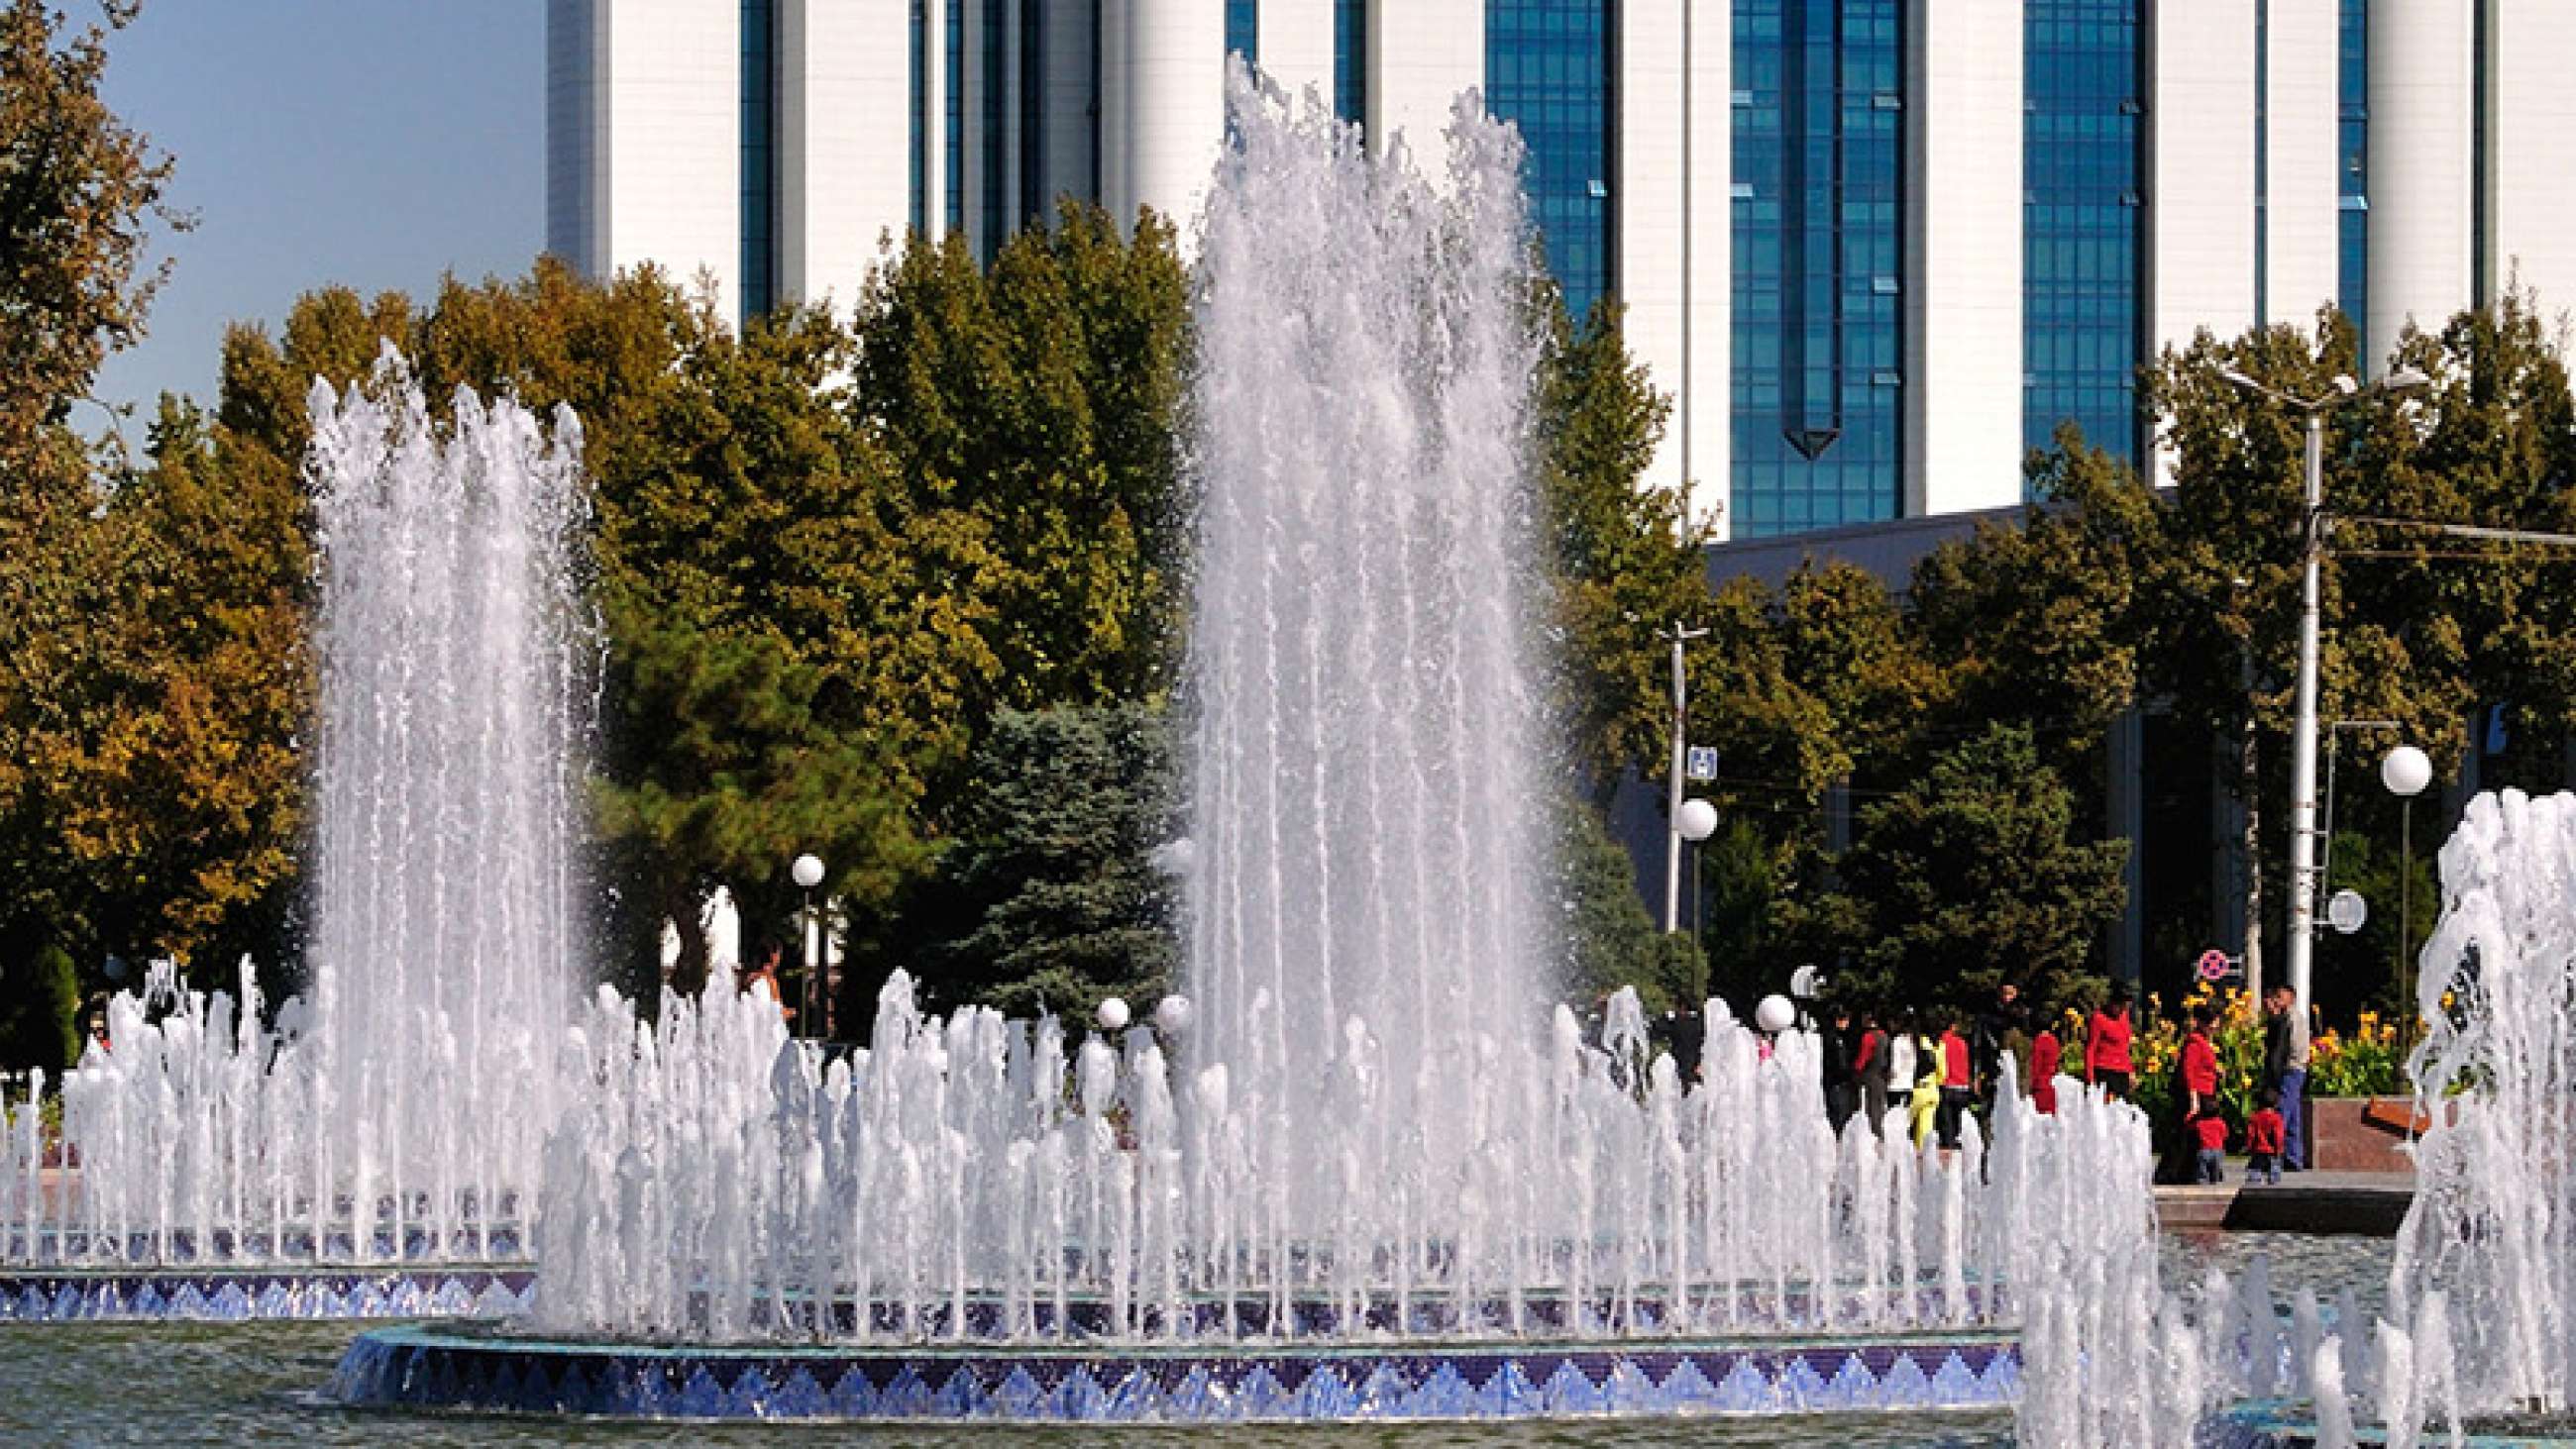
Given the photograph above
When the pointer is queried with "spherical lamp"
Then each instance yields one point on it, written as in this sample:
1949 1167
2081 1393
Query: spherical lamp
2406 771
1698 820
1113 1014
808 871
1172 1014
1775 1014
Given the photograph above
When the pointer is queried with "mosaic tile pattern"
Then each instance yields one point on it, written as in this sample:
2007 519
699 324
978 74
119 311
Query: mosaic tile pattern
416 1368
246 1296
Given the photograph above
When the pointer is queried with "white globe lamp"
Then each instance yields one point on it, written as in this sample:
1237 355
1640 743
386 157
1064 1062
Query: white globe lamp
808 871
1172 1014
1113 1014
2406 771
1775 1014
1698 820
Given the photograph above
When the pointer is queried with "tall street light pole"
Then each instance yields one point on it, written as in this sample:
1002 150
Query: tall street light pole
1673 799
2303 729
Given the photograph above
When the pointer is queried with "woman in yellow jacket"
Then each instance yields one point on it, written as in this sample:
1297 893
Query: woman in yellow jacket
1925 1103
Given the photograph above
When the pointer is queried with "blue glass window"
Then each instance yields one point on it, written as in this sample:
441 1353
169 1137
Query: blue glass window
2082 221
1350 60
759 90
920 116
1547 70
1818 393
1243 29
2352 285
955 29
997 130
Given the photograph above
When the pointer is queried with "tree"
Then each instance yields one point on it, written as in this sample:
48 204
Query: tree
39 1006
1047 897
1623 563
1968 877
79 192
1606 939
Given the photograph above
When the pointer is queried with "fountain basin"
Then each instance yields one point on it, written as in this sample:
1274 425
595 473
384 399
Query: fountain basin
241 1295
468 1368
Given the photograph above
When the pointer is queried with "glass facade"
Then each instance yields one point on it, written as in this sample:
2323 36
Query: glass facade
953 29
1243 29
759 90
2352 284
1547 70
1818 393
1350 60
996 59
920 112
2082 220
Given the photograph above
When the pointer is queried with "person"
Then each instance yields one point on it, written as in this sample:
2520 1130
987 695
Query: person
2285 1071
1999 1034
2263 1138
2106 1046
1688 1037
1900 1062
1870 1062
2044 1054
1841 1068
2209 1132
763 976
2200 1064
1958 1080
1925 1102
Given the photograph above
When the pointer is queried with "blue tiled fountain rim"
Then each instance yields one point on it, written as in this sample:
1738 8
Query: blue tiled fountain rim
423 1368
250 1295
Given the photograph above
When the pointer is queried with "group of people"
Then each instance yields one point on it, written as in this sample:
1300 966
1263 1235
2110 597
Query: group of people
1940 1065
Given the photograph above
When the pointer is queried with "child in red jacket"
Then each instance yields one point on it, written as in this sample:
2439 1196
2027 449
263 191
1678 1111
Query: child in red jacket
2263 1133
2209 1131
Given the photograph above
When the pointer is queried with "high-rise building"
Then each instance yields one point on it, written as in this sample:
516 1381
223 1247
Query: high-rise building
1873 249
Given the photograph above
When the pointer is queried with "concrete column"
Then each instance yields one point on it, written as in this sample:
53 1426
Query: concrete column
1963 284
934 140
2422 192
2302 219
2200 217
845 83
2531 153
1117 186
1421 54
1297 46
1675 233
1174 103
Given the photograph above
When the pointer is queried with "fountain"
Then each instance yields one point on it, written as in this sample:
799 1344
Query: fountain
391 1123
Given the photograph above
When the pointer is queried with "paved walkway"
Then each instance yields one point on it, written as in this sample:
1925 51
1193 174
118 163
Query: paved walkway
2370 1204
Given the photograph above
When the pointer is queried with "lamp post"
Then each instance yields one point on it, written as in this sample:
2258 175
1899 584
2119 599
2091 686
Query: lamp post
1673 801
808 873
2303 730
1696 823
2405 772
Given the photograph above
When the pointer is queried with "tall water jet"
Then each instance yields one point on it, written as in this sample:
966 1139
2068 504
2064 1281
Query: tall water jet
453 644
1365 759
400 1110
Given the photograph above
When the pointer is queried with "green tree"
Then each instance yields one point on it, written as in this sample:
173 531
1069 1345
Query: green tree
1606 938
39 1006
1624 563
1048 896
1967 877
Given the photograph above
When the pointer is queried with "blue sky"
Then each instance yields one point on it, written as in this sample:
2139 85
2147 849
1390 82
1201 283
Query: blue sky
375 143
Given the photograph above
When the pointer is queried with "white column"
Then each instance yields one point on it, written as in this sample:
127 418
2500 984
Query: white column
1963 284
2531 153
1174 104
934 82
1421 54
2200 201
1675 231
2301 188
2421 143
845 129
1068 40
670 125
1297 46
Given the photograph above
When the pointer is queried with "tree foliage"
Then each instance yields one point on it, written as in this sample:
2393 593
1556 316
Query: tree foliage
1970 876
